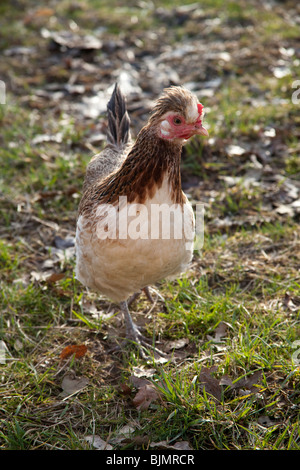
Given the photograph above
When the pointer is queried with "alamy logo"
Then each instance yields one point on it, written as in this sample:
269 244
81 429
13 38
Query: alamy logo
151 222
2 92
296 94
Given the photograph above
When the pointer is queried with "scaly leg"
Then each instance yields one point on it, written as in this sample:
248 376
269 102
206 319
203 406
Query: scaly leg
133 333
148 294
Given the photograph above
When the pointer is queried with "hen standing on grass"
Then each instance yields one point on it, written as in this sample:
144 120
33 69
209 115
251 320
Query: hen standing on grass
121 247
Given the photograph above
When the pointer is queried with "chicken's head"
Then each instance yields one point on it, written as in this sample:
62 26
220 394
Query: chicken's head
178 115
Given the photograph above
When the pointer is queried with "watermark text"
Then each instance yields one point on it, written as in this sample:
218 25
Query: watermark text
296 94
151 221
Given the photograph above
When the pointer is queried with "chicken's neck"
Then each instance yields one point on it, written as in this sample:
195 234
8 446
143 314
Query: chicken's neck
150 160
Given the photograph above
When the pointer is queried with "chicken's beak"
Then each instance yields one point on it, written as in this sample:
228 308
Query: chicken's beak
200 130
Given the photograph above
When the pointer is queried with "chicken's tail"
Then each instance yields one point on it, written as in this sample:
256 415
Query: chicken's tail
118 120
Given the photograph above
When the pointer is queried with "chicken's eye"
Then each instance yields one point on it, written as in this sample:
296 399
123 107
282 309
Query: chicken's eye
177 121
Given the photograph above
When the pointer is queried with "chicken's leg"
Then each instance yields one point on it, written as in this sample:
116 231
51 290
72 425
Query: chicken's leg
133 333
148 294
137 294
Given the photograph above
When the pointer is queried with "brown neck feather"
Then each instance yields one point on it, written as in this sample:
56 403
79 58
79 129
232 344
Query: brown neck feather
143 171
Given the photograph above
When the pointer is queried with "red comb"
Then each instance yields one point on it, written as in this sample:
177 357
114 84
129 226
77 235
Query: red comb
200 108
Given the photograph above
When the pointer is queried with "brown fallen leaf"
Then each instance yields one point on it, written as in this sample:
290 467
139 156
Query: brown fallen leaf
177 344
138 440
289 302
125 389
144 397
98 443
79 350
139 382
71 40
54 277
210 383
248 383
46 195
266 421
219 332
123 434
72 384
226 380
180 445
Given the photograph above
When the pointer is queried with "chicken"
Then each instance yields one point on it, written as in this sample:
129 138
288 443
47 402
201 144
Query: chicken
135 225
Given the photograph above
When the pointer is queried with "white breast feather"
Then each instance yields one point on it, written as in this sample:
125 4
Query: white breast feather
118 265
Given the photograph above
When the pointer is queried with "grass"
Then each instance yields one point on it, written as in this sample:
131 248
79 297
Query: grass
245 277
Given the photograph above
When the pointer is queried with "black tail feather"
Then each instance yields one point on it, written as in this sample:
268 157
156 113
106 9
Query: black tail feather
118 119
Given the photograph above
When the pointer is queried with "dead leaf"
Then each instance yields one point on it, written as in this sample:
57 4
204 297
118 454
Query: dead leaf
146 392
123 434
98 443
177 344
18 345
139 382
143 372
219 332
54 277
210 383
126 431
235 150
180 445
249 382
266 421
36 276
63 243
65 40
296 206
19 50
285 209
138 440
125 389
246 385
289 302
72 384
41 138
144 397
79 350
39 12
225 380
45 195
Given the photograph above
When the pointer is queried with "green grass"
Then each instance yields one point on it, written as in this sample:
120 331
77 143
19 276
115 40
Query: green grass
246 275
